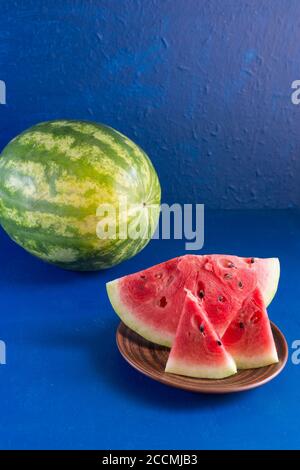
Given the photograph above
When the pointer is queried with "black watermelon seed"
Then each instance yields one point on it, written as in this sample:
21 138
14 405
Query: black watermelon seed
219 343
228 276
201 294
241 284
252 260
163 302
241 325
201 328
231 265
221 298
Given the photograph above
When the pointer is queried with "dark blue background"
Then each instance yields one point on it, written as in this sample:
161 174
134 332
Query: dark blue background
65 384
203 86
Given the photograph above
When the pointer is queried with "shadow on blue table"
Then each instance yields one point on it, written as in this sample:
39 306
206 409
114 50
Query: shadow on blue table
21 268
136 386
111 368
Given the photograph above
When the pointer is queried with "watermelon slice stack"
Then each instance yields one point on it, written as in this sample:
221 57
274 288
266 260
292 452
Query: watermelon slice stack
197 350
210 310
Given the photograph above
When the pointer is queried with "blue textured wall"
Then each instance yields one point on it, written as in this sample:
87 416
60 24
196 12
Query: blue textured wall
203 86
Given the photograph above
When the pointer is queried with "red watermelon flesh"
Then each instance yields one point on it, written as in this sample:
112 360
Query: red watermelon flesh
223 282
150 302
249 337
197 350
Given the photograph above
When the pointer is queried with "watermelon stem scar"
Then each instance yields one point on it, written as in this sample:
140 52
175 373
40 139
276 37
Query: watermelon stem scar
231 294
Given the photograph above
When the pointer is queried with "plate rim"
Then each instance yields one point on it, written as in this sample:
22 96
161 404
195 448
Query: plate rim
202 389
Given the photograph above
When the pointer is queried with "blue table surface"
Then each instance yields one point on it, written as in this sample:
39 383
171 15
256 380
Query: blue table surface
65 386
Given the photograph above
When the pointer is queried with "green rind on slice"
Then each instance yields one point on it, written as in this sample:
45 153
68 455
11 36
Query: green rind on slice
266 360
146 331
269 288
183 368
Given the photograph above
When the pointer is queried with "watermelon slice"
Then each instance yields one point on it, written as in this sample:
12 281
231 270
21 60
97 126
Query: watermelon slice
223 283
150 302
249 337
197 350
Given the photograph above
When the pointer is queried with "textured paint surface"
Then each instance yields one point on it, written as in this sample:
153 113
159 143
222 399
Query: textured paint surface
203 86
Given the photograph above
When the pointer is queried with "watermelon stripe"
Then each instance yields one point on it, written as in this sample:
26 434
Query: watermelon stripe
56 200
113 142
60 166
107 139
44 206
117 249
105 179
123 155
54 223
122 161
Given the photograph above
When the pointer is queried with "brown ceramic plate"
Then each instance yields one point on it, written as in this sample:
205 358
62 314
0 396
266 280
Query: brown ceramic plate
150 359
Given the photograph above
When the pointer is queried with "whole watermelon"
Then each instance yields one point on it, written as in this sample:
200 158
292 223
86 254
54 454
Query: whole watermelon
56 175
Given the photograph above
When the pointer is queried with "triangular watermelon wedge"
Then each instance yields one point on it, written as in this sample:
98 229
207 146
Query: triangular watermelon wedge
249 337
150 302
197 350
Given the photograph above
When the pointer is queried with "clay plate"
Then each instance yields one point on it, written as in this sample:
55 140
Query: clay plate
150 359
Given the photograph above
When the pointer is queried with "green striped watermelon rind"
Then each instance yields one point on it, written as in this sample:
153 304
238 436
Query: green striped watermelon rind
52 179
